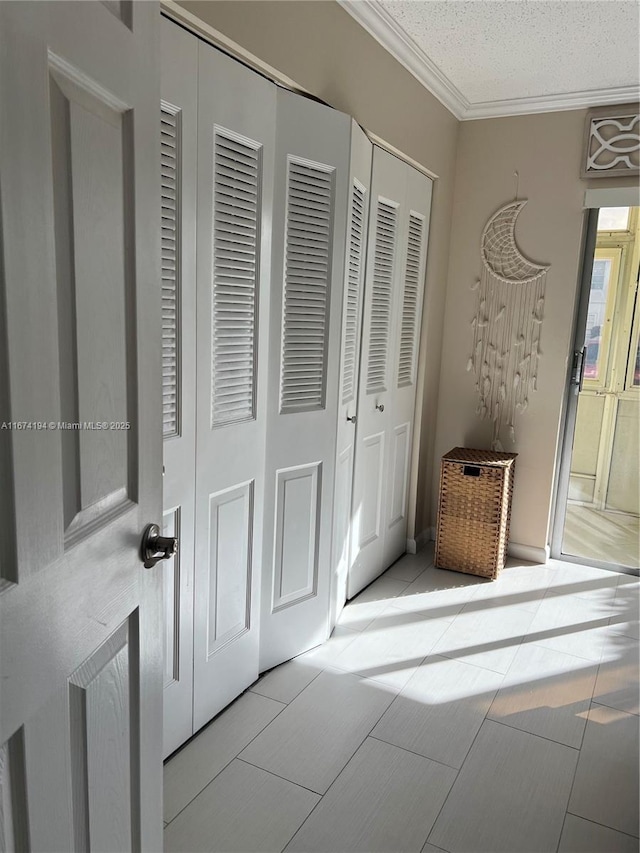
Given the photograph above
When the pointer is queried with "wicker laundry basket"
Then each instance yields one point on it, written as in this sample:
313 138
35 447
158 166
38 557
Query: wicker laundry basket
474 511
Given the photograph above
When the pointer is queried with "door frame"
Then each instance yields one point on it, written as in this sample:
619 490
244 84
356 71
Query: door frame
572 387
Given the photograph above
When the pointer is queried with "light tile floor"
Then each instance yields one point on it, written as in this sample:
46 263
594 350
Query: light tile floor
445 713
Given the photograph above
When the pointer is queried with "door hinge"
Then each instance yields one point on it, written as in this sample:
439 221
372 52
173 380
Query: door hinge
577 369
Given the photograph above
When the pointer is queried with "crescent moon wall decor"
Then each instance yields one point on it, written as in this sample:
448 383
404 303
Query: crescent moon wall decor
508 324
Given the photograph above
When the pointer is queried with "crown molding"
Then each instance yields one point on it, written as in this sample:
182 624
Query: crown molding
374 18
552 103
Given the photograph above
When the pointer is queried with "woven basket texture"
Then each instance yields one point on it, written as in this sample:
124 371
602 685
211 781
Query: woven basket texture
474 512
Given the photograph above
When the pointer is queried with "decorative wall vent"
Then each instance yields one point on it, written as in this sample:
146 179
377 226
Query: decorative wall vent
507 325
612 143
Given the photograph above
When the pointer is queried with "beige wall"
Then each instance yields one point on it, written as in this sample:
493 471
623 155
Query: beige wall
323 50
320 47
546 151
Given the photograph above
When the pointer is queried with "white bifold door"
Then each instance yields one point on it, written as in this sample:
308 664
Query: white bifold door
269 407
396 256
312 188
352 307
178 134
218 137
236 136
80 447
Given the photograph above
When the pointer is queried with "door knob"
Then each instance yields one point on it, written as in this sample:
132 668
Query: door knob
351 419
380 407
155 547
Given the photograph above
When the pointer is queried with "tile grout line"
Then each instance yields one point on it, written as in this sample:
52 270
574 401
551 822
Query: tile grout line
531 734
484 719
575 772
231 759
411 752
351 757
286 704
277 776
604 825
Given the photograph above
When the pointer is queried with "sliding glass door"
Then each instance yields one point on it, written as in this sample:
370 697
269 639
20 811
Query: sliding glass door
598 499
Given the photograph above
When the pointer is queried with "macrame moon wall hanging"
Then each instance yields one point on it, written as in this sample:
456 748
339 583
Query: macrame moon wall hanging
507 324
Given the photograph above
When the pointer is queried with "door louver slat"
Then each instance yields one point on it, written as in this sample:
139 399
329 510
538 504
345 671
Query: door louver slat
354 276
170 193
236 226
406 358
384 257
308 246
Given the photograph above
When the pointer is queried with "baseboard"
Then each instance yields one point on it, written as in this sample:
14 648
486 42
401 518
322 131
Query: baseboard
417 544
514 549
528 552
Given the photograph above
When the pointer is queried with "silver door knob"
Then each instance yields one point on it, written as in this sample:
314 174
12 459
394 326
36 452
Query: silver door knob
155 547
351 419
380 407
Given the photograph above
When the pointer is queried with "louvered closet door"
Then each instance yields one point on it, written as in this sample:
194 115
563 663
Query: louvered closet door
407 314
178 132
377 378
310 212
352 305
236 135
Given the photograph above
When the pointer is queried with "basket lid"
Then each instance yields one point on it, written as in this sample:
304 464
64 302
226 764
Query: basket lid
480 457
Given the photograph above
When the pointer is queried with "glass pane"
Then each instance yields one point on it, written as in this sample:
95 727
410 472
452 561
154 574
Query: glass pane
636 369
600 277
613 219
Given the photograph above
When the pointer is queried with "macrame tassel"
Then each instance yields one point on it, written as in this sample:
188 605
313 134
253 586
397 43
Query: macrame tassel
507 324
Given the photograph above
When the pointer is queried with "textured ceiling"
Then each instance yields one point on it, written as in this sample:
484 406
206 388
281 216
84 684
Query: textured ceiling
493 50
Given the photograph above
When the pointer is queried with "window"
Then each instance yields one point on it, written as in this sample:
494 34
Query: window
613 219
602 296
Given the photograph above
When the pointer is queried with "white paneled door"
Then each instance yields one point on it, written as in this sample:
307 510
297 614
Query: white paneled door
352 305
236 140
407 321
81 643
309 230
177 125
398 227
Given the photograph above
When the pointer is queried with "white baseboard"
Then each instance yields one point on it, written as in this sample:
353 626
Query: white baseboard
514 549
417 544
528 552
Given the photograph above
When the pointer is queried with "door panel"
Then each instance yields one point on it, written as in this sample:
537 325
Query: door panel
296 557
622 492
13 794
236 141
407 317
399 475
171 526
81 618
369 514
178 135
376 370
353 301
230 526
310 212
400 205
